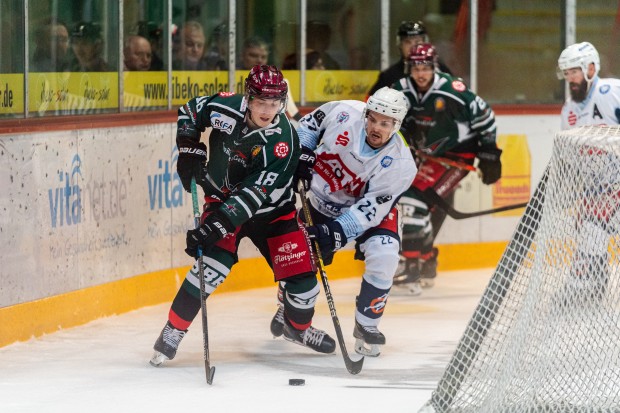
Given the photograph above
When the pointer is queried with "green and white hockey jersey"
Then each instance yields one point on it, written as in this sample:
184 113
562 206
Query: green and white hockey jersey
447 118
251 171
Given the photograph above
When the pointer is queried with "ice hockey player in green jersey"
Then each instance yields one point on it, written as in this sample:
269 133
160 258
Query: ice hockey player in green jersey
447 120
247 181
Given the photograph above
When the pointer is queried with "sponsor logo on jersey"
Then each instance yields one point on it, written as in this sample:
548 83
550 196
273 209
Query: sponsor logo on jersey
342 117
377 305
289 255
343 139
231 209
270 132
604 89
226 94
458 86
288 247
572 118
336 174
222 122
256 150
281 150
386 161
440 104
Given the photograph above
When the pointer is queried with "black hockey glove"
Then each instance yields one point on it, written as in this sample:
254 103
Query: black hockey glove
213 229
303 173
192 162
489 164
330 238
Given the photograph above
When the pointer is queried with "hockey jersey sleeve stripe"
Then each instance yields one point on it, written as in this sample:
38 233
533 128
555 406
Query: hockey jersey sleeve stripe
250 193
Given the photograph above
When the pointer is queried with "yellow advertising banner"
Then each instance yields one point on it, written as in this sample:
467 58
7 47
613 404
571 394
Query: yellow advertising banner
145 90
325 86
11 94
72 92
514 186
186 85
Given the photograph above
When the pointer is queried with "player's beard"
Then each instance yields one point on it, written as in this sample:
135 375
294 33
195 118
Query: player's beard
578 91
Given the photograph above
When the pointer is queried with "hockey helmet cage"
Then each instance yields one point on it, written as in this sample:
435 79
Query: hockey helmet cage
388 102
409 29
266 82
579 55
423 54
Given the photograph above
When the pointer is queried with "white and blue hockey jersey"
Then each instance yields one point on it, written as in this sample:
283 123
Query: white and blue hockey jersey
353 182
601 106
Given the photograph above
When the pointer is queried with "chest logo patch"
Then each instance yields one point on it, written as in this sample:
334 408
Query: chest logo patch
386 161
458 86
604 89
280 150
342 117
222 122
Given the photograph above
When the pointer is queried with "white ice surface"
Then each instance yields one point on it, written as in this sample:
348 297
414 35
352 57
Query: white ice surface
103 366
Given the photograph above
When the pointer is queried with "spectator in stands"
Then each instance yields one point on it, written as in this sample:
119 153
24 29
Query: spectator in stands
154 33
318 38
217 50
313 61
189 48
87 45
137 53
255 51
51 51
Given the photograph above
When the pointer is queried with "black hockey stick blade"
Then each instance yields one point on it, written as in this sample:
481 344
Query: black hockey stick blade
353 366
209 371
433 197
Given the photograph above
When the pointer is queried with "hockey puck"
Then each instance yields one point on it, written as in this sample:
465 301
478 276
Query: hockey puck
296 382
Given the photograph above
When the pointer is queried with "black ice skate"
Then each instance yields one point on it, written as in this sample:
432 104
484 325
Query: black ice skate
407 278
167 344
369 340
317 340
428 270
277 322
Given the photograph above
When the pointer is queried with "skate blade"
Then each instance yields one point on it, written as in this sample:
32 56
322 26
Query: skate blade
410 289
372 351
158 359
427 282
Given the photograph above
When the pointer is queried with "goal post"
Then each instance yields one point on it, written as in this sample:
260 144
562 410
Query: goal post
545 336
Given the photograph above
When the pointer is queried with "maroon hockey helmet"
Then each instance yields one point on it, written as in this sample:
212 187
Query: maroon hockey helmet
266 82
423 54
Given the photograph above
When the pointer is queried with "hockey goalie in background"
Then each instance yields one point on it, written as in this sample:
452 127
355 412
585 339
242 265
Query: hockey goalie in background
446 120
593 101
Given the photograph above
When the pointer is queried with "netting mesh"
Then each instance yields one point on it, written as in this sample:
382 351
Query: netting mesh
545 336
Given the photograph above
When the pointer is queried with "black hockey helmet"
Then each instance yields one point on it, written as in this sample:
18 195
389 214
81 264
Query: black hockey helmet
410 28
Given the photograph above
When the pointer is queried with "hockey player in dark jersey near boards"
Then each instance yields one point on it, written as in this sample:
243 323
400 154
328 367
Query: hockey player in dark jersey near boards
253 154
445 119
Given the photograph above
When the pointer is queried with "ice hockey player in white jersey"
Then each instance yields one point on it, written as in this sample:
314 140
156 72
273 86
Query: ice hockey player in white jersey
593 100
354 165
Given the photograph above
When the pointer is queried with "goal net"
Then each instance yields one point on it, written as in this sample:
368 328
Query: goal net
545 336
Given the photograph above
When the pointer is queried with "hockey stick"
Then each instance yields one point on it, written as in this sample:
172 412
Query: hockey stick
433 197
450 163
352 366
209 371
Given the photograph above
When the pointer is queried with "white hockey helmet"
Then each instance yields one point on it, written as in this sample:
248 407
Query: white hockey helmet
389 102
579 55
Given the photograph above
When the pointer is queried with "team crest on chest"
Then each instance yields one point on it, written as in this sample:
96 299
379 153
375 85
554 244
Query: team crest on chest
458 86
280 150
342 117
